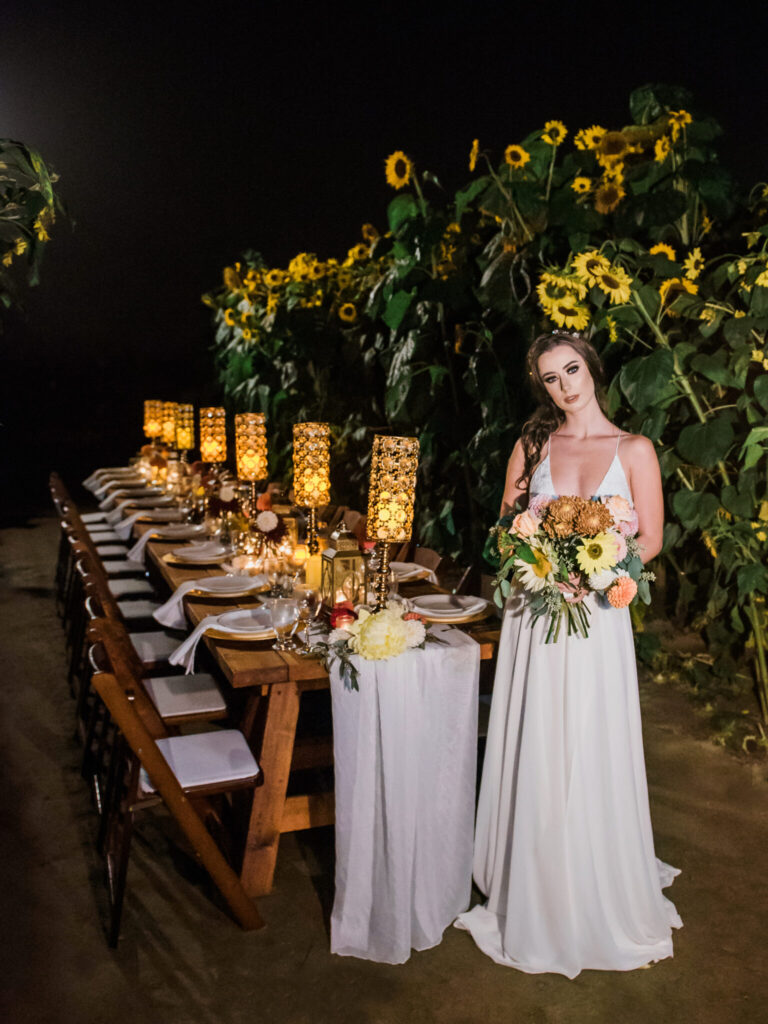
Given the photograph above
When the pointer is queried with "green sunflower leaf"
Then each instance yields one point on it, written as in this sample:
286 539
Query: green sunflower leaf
704 444
647 379
751 578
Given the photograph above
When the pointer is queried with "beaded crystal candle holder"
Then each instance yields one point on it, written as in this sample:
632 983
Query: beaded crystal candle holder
169 423
251 446
392 488
185 427
153 418
311 472
213 434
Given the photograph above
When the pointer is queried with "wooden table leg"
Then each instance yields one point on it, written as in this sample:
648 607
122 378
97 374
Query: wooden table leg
274 758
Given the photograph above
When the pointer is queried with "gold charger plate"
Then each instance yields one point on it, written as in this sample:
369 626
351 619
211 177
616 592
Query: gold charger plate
220 634
171 559
250 592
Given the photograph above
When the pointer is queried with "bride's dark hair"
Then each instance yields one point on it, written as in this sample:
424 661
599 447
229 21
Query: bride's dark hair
548 417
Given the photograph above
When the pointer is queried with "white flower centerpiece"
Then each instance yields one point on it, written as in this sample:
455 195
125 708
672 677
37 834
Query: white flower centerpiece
376 636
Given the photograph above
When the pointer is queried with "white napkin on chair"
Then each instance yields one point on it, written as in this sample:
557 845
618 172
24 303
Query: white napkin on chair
185 652
137 551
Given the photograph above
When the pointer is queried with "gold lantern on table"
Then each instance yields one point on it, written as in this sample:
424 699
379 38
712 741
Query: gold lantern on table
185 429
392 488
251 450
344 574
169 423
153 418
311 473
213 434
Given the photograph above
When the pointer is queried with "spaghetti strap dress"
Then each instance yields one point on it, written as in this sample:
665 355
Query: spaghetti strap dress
563 841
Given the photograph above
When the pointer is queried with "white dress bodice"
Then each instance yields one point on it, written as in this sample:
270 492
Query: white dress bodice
614 482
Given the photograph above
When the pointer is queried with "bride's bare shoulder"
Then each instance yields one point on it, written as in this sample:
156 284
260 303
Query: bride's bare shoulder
637 448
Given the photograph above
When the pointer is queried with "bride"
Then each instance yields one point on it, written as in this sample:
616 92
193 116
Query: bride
563 843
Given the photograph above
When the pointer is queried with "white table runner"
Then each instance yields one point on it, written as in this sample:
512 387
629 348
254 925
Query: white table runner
405 751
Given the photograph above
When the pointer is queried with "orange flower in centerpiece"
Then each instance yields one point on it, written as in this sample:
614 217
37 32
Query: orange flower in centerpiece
621 593
593 518
560 516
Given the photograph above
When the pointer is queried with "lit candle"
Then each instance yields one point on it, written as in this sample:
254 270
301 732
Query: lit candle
299 555
312 568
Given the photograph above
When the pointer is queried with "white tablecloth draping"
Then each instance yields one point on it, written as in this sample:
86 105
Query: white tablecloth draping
405 753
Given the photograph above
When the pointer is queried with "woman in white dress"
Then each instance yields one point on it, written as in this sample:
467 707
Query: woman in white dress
563 843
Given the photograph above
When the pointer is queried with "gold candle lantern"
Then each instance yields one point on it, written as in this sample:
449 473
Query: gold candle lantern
213 434
251 446
311 472
153 418
169 423
185 427
394 461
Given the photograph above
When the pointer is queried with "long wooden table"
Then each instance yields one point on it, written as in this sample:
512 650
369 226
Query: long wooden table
273 683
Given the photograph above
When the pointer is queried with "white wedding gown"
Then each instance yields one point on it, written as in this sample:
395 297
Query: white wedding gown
563 841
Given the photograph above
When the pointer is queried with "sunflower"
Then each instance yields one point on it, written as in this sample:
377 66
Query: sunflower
229 317
274 278
593 519
762 279
661 149
708 315
706 224
567 281
273 302
614 172
581 185
612 146
516 156
232 279
662 249
317 271
694 264
673 288
589 138
554 132
20 247
678 119
348 313
398 169
358 252
8 258
549 295
598 553
568 312
369 232
616 283
473 154
589 264
613 333
608 197
247 334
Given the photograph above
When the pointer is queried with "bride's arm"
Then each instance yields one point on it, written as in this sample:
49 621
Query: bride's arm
645 481
514 471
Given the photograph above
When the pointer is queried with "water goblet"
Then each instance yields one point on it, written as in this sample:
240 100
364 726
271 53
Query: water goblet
284 612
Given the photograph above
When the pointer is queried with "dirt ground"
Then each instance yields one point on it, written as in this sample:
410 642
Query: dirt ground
182 961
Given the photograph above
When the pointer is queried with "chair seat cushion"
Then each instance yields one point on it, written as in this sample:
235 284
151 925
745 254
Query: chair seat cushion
206 759
175 696
122 588
153 647
92 517
111 549
120 567
141 609
106 535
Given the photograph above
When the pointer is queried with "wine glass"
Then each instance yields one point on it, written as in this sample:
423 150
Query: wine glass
310 603
284 612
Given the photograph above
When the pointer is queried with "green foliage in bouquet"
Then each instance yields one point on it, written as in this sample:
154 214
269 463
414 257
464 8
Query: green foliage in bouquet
28 207
635 235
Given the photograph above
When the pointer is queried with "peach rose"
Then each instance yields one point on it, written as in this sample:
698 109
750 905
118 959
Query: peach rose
629 527
622 545
538 503
622 592
525 524
620 508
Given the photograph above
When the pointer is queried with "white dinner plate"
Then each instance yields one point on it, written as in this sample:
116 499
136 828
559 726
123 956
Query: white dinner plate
196 550
448 605
161 515
179 531
408 570
227 585
246 620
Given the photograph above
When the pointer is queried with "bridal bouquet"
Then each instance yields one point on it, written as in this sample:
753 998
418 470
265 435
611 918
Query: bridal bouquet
562 549
375 636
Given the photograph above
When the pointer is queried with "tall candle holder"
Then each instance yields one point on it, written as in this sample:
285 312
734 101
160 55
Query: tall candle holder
251 451
311 473
392 488
213 434
185 429
169 423
153 419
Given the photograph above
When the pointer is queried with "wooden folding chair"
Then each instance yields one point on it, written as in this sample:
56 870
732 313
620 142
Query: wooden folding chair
202 767
427 557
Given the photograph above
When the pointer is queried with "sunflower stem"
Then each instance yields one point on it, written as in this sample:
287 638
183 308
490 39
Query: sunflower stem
551 169
761 666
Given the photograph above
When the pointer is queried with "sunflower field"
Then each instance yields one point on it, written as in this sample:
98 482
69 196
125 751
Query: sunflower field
636 235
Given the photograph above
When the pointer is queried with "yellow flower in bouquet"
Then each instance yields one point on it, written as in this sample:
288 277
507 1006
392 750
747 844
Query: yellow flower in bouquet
380 636
598 553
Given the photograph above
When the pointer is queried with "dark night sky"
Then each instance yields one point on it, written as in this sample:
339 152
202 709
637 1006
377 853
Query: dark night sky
184 137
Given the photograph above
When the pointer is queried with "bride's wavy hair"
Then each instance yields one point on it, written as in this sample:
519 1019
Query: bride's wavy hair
547 416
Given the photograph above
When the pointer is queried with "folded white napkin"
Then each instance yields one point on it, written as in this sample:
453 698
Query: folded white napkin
99 476
123 529
133 496
117 483
171 614
137 551
405 571
185 652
